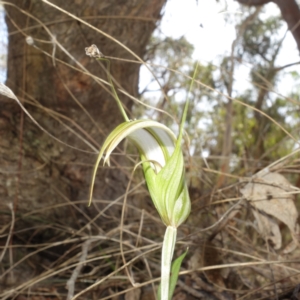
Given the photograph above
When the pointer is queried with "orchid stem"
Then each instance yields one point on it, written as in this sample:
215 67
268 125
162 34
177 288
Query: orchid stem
119 103
166 260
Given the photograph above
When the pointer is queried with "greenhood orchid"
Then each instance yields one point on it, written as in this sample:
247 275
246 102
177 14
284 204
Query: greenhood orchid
163 166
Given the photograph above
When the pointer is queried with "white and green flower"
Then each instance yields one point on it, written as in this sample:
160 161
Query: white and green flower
163 165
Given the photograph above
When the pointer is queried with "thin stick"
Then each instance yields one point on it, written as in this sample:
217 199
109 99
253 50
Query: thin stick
71 282
10 230
131 279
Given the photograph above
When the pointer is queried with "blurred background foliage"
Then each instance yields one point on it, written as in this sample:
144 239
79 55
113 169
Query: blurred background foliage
256 139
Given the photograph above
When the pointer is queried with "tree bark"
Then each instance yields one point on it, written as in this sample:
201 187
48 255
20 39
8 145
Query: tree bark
254 2
291 14
36 171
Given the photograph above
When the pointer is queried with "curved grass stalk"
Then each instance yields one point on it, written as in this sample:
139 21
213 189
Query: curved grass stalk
122 110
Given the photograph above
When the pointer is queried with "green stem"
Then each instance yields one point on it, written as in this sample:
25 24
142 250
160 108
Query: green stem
119 103
183 118
166 260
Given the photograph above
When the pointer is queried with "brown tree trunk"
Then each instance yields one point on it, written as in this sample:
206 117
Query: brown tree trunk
37 171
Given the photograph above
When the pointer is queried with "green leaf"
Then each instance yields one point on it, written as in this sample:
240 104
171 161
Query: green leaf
175 271
174 275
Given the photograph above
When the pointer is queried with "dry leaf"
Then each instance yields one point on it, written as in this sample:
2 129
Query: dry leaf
271 200
268 228
208 255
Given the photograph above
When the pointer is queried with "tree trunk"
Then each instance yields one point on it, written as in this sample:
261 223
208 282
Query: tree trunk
38 172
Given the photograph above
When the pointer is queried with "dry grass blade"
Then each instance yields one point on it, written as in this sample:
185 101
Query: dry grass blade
6 91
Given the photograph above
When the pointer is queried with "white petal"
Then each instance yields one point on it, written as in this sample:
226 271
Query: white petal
169 142
149 146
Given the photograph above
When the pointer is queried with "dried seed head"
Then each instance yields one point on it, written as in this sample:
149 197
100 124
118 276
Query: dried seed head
93 51
29 40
